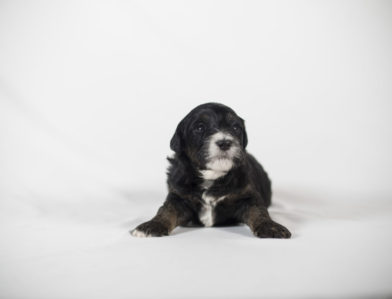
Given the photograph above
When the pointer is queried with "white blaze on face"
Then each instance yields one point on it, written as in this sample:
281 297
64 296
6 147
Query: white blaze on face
219 162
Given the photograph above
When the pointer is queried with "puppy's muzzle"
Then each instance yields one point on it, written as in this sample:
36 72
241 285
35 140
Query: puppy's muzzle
224 144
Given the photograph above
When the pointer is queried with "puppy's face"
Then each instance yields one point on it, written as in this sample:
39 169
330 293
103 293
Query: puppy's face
213 137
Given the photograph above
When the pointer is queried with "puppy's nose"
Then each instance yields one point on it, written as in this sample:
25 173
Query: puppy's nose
224 144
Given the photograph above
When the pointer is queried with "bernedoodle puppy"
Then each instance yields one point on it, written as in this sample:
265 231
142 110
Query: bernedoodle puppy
212 180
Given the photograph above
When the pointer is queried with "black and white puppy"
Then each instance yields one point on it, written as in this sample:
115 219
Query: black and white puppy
212 180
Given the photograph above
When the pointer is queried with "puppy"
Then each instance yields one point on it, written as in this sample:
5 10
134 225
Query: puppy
212 180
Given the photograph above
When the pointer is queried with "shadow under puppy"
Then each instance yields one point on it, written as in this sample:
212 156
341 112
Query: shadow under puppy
212 180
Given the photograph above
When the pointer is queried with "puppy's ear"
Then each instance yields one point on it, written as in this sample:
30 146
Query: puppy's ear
244 136
177 141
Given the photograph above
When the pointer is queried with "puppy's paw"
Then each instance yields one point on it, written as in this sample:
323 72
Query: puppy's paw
271 229
150 229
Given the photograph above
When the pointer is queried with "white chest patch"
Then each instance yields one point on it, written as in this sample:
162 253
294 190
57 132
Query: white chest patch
209 174
206 214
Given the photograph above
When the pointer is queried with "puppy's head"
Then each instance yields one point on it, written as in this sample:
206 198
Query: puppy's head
213 137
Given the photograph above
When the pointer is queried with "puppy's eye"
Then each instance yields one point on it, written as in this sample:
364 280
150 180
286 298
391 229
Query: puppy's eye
236 128
200 128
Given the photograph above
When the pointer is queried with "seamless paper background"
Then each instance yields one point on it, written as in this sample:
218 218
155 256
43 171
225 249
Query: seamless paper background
91 93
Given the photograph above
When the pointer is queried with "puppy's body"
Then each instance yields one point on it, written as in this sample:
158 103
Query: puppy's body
220 201
212 180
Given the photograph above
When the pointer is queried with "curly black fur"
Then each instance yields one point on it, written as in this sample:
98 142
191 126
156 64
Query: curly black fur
244 190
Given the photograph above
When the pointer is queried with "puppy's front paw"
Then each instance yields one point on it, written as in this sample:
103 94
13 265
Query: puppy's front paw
150 229
271 229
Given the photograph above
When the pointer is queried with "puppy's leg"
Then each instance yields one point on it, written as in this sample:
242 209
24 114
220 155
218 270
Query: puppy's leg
261 224
170 215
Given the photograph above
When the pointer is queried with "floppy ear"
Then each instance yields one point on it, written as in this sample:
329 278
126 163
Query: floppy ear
177 141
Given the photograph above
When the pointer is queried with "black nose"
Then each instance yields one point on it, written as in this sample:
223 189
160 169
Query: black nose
224 144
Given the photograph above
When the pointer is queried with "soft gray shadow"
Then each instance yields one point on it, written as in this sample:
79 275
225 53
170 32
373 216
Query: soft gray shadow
240 229
181 230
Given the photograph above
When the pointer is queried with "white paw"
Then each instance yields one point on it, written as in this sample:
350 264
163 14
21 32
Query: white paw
139 234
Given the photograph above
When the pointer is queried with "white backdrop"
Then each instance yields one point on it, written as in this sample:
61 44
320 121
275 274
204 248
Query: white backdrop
90 95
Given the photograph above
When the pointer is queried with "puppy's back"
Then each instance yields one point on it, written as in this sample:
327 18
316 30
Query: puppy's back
260 179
